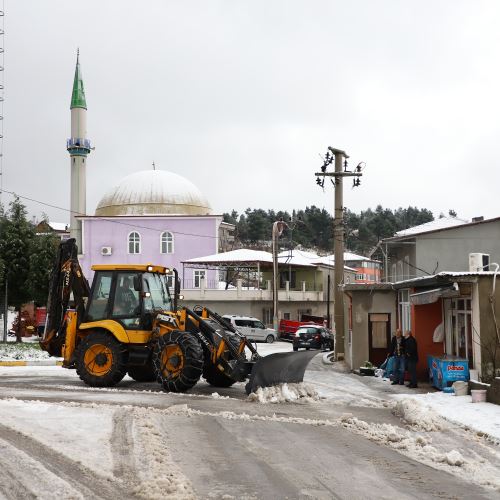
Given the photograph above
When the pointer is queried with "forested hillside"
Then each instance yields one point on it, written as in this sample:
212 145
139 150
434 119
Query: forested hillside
313 227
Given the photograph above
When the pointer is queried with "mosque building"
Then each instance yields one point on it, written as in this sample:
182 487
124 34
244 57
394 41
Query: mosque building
150 216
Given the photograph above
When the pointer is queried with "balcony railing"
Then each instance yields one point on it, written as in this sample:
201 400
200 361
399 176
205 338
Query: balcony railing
213 284
76 142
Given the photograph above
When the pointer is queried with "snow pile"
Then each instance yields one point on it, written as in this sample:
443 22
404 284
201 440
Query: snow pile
418 415
184 409
484 419
284 393
159 476
454 458
216 395
474 468
23 351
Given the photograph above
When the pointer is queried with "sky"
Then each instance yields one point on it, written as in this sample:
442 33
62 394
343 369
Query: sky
244 97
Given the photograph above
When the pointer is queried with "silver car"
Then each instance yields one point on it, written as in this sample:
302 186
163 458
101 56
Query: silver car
252 328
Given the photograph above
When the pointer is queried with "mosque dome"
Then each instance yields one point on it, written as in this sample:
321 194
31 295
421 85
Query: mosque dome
153 192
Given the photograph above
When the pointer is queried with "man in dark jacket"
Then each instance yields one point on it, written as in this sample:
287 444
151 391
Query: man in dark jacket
398 352
411 354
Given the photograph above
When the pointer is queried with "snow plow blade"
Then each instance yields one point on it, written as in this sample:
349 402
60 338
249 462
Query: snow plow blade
279 368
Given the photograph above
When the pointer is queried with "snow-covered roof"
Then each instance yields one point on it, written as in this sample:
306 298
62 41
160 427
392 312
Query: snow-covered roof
153 192
234 256
59 226
296 258
433 225
245 255
354 256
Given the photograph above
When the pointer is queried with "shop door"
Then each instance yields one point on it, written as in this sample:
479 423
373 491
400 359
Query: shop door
379 337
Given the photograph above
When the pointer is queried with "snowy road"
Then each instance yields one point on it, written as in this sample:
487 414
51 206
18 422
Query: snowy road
58 436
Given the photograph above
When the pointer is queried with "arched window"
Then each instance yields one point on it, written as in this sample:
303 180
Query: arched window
134 243
166 242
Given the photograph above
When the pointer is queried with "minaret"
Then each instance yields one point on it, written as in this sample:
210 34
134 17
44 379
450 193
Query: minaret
78 147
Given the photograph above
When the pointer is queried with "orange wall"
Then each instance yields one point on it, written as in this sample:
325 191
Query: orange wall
425 319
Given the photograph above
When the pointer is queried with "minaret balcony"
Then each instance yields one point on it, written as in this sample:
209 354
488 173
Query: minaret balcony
78 146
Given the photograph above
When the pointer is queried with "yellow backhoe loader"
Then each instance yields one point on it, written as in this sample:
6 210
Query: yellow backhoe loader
129 322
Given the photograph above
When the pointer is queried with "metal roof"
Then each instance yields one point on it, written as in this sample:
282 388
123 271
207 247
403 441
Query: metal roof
153 192
78 95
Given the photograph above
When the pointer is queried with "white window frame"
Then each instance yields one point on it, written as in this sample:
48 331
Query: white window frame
167 238
404 307
452 336
170 282
198 274
135 242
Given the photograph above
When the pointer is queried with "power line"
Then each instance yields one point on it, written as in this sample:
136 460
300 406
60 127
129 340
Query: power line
114 221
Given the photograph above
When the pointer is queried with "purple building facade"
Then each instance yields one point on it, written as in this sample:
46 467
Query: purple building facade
164 240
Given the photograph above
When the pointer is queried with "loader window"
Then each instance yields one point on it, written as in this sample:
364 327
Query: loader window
126 302
100 296
159 298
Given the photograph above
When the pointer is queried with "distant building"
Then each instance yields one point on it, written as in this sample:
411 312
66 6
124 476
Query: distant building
151 216
305 285
61 229
440 245
367 270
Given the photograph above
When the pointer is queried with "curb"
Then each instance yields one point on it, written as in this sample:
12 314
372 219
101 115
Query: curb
327 358
34 362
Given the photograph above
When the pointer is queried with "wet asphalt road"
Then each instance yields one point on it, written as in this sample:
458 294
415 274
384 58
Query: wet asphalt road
228 456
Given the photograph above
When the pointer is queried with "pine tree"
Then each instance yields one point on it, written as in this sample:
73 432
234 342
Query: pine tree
43 254
15 249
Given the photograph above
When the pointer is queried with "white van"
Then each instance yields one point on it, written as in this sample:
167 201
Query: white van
252 328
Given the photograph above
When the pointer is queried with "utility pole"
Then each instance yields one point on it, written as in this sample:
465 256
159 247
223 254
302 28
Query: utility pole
340 158
277 230
6 310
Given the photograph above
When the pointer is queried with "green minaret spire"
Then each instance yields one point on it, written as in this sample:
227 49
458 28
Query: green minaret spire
78 94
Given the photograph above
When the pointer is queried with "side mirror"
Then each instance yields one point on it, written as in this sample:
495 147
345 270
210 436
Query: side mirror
137 283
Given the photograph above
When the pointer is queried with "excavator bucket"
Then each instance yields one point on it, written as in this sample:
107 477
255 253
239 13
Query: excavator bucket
279 368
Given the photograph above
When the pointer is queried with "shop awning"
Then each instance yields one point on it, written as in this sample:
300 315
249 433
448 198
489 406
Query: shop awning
431 296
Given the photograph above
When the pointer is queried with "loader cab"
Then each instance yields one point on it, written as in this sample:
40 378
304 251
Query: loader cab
130 296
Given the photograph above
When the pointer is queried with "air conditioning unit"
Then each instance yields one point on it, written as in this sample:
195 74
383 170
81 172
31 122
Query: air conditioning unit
479 262
106 250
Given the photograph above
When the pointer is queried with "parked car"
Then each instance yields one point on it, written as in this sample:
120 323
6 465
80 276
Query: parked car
287 327
314 337
252 328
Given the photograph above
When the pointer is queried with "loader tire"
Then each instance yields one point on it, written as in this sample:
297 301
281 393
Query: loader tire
100 360
216 378
178 361
144 373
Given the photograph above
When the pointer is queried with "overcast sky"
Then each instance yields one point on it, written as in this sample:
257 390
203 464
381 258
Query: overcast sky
242 97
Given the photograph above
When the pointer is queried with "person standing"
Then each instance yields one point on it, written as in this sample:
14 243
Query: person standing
411 354
398 353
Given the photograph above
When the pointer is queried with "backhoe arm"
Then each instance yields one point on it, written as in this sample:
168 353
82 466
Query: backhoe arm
66 279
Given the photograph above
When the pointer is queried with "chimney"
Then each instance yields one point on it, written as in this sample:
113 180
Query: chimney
478 219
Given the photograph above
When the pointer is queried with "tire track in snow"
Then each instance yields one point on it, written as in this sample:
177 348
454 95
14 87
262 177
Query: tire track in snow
122 445
81 479
11 487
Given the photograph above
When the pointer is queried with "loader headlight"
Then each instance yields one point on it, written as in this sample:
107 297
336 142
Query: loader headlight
149 269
